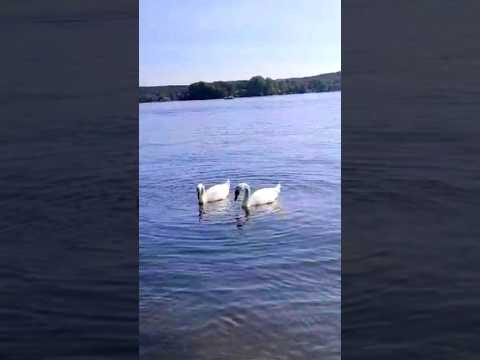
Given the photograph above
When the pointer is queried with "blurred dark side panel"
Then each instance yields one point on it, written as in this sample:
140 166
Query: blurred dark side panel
410 179
68 174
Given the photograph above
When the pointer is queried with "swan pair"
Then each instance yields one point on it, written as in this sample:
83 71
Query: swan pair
221 191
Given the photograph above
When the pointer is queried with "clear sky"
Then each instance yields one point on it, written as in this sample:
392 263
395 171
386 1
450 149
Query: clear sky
183 41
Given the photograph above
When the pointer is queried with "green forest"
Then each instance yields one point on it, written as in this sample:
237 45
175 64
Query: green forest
256 86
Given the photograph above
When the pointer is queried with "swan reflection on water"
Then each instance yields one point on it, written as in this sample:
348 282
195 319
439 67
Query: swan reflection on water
224 207
216 208
257 210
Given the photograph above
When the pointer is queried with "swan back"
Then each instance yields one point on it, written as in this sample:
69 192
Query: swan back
218 192
264 196
259 197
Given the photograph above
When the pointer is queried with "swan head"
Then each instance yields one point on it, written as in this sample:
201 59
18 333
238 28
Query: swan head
200 193
239 188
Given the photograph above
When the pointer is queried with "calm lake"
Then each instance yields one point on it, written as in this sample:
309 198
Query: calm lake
224 285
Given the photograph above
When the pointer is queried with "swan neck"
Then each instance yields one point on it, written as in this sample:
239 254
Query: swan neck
247 195
202 198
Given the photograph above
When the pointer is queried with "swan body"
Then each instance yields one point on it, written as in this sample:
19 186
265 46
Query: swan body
215 193
259 197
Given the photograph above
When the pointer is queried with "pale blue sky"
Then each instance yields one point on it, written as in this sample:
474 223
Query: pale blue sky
183 41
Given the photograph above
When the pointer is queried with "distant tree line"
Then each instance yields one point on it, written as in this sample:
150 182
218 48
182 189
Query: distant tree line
256 86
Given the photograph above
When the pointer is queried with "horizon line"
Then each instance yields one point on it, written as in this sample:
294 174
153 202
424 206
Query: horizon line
282 78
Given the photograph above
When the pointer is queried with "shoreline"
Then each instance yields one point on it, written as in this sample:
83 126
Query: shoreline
242 97
257 86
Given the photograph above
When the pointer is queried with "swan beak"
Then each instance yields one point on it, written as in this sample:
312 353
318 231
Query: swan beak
237 192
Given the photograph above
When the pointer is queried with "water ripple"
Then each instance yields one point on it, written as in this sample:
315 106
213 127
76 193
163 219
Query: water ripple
223 283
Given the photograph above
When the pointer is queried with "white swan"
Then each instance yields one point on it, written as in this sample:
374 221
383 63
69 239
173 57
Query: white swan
259 197
215 193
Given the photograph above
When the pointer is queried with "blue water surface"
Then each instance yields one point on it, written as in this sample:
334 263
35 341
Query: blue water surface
224 285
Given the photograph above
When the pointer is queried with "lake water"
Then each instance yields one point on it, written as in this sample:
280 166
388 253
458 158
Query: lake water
225 285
